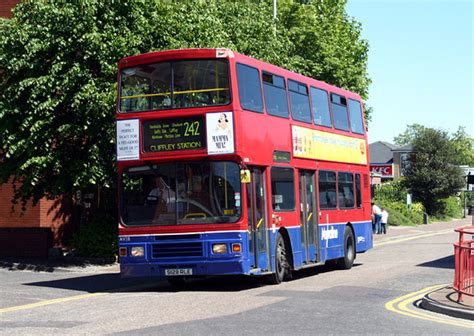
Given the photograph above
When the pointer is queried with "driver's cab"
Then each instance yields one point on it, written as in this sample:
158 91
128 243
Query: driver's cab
181 193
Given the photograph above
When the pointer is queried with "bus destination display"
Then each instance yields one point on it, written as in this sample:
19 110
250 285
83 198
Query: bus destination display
175 134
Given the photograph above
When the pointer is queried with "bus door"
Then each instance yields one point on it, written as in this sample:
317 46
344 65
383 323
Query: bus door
257 226
308 216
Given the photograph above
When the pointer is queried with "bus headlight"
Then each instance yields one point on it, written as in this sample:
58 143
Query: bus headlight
137 251
219 248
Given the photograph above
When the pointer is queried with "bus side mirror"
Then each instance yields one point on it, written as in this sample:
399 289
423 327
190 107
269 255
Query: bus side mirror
245 176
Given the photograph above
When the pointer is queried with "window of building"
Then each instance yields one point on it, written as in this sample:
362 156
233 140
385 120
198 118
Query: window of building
327 189
345 190
358 192
274 90
283 189
299 101
321 113
339 112
355 111
250 89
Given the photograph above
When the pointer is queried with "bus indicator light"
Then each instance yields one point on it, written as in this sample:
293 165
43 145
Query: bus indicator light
236 248
123 252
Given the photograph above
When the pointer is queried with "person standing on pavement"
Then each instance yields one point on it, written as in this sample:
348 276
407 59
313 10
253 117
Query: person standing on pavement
384 221
377 213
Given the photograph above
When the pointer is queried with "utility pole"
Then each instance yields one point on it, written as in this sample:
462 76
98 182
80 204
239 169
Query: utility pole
274 17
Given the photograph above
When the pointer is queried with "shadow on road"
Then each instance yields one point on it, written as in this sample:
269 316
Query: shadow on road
446 262
51 265
111 282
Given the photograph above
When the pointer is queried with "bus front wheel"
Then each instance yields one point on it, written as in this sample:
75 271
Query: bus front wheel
281 261
347 261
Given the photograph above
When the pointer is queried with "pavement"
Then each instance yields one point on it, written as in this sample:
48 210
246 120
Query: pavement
443 300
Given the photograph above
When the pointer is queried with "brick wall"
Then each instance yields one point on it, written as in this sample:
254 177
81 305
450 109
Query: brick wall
6 7
10 216
31 232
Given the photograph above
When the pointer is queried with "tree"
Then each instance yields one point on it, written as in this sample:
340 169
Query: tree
411 133
57 84
432 173
463 147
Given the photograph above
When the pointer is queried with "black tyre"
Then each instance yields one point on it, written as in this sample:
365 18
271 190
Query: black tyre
281 261
176 281
347 261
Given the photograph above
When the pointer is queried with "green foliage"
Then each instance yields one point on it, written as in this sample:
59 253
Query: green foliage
463 147
397 217
447 208
394 191
58 64
432 174
410 134
97 239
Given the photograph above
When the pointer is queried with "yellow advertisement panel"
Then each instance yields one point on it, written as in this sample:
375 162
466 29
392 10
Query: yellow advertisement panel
313 144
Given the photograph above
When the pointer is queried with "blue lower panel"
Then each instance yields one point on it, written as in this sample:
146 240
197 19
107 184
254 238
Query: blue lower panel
363 236
191 251
331 242
332 239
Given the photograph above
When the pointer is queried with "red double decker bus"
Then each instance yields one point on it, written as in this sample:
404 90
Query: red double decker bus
229 165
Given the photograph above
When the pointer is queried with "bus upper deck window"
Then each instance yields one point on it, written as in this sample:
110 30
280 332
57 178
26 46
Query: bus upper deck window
274 90
339 112
250 88
355 111
299 101
321 113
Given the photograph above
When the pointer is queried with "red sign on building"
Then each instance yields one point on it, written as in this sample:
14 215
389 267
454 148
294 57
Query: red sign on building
386 170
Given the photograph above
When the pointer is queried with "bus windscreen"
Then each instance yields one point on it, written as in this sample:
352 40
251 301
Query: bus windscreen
181 193
172 85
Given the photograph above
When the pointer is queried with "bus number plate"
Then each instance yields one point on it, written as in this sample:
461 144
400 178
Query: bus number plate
179 271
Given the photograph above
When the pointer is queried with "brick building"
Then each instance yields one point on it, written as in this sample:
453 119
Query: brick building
30 232
6 7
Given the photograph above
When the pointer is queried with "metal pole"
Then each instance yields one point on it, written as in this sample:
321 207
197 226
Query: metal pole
464 209
274 17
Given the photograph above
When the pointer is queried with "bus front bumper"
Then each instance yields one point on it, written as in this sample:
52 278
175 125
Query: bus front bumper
187 269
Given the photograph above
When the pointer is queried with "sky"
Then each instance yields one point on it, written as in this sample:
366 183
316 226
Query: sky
420 63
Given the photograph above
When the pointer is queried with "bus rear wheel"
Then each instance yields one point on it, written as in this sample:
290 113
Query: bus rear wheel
281 262
347 261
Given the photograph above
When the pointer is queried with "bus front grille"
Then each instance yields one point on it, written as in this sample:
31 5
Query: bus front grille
174 250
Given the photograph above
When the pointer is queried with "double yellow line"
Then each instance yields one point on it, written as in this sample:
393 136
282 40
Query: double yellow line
402 305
